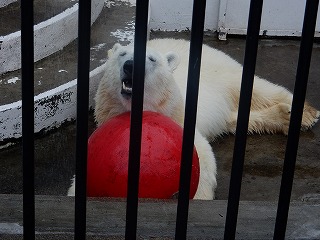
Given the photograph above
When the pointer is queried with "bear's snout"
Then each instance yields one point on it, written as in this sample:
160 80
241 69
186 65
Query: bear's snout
126 89
128 67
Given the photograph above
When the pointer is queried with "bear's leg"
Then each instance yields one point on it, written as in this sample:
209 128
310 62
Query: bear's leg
208 169
310 116
275 118
271 110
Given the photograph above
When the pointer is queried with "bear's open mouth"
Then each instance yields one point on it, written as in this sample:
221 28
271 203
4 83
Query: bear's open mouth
126 87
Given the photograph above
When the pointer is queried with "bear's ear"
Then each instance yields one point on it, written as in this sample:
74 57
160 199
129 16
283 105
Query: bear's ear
173 60
113 49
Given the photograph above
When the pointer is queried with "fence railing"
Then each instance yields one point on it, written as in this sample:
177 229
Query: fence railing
243 117
136 118
27 75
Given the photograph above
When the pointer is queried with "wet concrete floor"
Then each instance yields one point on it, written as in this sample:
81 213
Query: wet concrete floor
277 62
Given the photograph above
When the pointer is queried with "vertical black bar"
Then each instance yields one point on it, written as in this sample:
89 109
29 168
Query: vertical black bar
141 26
196 41
300 88
243 117
27 73
84 25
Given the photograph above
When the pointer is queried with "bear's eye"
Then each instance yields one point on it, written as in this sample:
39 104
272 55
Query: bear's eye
152 59
122 54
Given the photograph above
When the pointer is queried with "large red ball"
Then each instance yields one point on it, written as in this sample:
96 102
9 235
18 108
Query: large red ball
108 149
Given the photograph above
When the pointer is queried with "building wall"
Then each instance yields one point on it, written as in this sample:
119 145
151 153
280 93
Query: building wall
279 18
168 15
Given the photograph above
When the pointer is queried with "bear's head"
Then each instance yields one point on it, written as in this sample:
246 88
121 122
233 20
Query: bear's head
159 81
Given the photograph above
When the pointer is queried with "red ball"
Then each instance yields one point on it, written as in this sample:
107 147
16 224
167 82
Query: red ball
108 149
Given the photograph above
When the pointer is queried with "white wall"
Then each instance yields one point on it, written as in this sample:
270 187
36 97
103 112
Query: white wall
172 15
279 18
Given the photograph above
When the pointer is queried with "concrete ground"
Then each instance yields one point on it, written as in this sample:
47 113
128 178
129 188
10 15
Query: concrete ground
277 62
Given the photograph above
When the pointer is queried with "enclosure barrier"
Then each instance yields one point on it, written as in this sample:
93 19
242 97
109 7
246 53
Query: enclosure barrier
243 117
27 76
136 118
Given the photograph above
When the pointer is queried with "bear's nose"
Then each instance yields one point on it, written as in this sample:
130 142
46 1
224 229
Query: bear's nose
128 67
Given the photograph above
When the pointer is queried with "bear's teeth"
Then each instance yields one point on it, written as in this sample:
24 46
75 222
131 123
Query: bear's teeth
127 89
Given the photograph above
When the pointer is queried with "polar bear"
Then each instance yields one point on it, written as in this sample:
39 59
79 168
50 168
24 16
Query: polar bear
220 79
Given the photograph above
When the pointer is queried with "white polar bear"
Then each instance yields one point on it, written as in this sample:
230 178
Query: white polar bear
220 79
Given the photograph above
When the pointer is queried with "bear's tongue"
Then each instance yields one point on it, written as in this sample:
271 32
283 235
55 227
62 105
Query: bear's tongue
126 88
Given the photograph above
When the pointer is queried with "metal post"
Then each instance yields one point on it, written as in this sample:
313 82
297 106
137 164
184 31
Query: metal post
27 67
300 89
190 117
139 58
243 117
84 25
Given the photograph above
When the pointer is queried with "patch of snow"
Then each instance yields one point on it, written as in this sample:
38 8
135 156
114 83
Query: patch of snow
10 81
110 3
98 47
13 80
132 2
103 60
126 34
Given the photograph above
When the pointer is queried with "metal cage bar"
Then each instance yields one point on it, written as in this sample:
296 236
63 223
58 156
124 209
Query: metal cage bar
27 66
190 117
299 95
243 117
27 73
84 26
139 58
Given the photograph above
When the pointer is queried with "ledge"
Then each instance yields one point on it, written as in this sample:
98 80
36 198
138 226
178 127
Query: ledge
156 219
51 108
50 36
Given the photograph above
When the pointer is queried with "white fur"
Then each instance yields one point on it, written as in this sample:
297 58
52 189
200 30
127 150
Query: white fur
219 89
220 78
